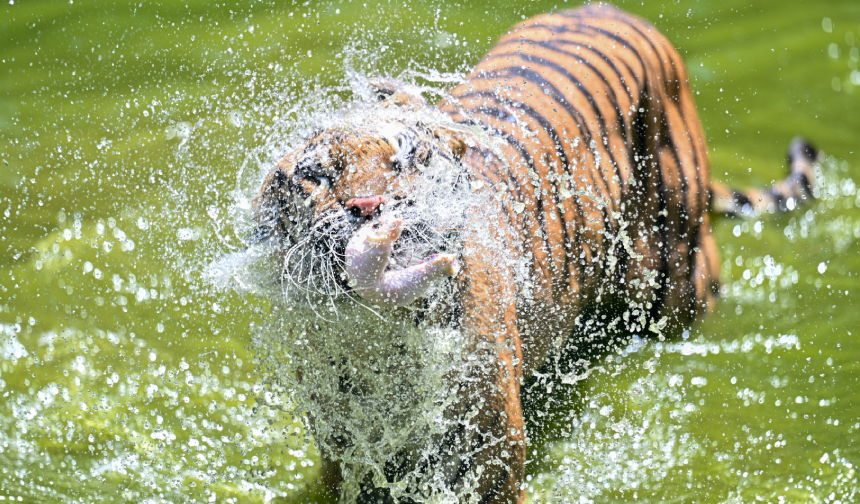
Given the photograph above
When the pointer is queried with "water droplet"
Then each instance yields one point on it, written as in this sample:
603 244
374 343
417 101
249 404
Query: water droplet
142 294
236 118
183 130
185 234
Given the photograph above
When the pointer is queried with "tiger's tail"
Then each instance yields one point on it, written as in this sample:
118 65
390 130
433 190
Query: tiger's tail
785 195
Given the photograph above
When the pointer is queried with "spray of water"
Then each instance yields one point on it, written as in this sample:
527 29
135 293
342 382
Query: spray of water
97 405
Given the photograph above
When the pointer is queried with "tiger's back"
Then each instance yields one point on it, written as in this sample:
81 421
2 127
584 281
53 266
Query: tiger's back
607 155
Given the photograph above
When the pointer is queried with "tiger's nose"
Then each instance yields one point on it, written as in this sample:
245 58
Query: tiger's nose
364 206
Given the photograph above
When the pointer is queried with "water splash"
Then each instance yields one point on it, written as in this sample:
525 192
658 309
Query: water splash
125 378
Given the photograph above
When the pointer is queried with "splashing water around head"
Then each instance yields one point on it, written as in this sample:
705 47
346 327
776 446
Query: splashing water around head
378 382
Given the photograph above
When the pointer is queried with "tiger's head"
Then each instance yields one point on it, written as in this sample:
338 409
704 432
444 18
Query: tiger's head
387 162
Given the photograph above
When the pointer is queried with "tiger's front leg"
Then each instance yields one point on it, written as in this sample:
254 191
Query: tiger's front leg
498 447
491 454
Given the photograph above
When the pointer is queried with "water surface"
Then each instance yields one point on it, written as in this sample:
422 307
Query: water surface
130 135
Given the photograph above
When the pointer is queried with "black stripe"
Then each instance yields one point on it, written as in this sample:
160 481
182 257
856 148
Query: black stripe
741 199
552 46
495 488
562 156
581 28
778 198
621 122
634 23
537 79
572 111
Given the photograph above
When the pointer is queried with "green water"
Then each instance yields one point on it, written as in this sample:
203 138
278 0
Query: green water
125 377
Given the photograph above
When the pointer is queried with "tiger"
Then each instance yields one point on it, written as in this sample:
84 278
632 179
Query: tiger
578 135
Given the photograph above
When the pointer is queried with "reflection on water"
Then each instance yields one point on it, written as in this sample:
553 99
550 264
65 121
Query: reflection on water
132 138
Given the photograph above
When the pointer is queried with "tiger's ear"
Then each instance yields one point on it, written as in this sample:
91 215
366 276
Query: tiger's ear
455 140
390 91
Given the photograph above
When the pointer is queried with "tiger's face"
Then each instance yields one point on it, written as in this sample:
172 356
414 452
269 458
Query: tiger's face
341 180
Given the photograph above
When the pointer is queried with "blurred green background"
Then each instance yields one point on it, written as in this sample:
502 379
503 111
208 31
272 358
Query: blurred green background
130 133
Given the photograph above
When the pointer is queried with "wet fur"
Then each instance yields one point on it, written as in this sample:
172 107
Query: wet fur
603 192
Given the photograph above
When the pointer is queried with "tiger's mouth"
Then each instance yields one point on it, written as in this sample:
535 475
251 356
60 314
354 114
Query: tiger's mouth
317 261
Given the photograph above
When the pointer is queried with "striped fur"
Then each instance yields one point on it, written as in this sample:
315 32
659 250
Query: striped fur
607 101
605 174
606 98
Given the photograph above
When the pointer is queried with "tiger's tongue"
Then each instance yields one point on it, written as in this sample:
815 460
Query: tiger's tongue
367 256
